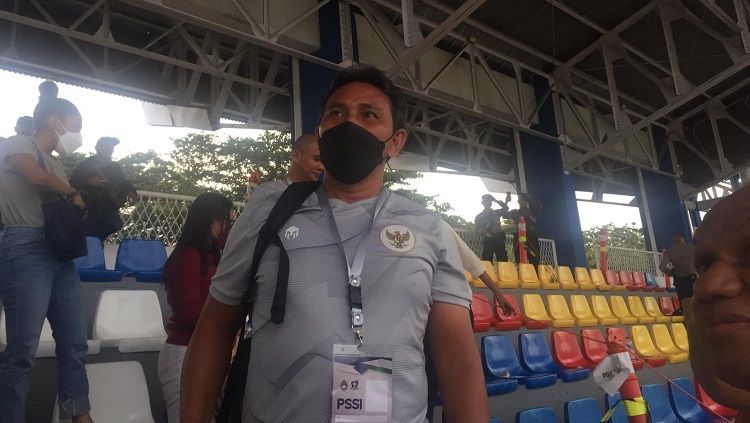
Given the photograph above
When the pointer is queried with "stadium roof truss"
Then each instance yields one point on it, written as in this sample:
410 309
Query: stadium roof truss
614 71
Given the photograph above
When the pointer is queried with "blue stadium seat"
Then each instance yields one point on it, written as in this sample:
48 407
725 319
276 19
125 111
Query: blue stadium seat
619 415
658 404
537 415
537 358
584 410
495 420
651 281
686 408
143 258
500 362
91 267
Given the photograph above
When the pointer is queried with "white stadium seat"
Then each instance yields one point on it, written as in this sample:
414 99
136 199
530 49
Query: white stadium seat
129 320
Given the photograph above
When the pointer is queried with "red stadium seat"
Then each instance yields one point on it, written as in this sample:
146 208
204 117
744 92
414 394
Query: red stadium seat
626 278
594 347
512 322
639 280
676 303
567 352
481 312
666 306
712 406
614 281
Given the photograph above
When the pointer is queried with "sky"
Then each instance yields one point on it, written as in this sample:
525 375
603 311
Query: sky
111 115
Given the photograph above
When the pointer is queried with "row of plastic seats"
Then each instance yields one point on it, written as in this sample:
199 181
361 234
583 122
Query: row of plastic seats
678 407
536 369
129 320
508 275
143 259
558 314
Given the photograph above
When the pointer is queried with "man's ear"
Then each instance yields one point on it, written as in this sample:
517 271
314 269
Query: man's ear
397 143
295 156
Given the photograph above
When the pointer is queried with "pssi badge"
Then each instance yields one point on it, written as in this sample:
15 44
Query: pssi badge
397 238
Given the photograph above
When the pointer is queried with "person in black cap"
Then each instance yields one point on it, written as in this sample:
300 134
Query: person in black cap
487 225
108 191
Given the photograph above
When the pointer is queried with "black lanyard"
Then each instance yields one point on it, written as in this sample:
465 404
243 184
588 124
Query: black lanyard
354 269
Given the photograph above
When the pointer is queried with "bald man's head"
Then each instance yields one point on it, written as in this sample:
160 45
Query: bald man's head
306 165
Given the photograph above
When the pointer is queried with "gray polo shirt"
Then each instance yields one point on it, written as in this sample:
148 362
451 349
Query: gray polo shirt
290 367
20 200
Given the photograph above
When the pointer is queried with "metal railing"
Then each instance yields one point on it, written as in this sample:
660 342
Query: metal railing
548 252
631 260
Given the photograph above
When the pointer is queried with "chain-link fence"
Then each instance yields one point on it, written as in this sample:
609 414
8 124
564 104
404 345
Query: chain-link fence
631 260
547 253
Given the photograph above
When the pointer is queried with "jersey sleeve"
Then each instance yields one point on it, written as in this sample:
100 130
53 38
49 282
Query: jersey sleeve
448 282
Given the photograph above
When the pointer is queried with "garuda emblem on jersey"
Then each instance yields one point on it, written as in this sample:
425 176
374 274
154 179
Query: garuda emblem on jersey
397 238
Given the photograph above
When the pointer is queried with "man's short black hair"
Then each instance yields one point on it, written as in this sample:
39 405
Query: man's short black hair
375 77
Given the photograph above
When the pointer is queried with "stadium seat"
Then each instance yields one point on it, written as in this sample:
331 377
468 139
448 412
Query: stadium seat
91 267
559 311
620 310
499 361
638 311
536 357
619 415
495 420
667 307
712 406
664 343
613 279
537 415
644 346
582 312
507 276
117 393
528 277
686 408
583 280
533 307
669 283
652 308
621 333
490 269
594 346
676 303
598 280
626 279
548 277
639 280
653 283
512 322
585 410
658 404
129 320
680 336
601 310
566 278
143 258
567 352
46 347
481 313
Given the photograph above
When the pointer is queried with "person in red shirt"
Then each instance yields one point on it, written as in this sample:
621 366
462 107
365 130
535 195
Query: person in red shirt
187 275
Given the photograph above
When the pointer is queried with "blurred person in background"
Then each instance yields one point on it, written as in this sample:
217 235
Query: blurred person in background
25 126
488 226
305 161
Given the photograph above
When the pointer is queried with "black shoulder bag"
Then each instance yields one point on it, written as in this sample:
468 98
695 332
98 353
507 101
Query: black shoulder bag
290 201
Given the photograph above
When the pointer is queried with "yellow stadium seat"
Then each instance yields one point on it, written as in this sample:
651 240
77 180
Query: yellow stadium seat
664 343
678 319
548 277
559 311
620 310
533 307
582 311
477 283
602 311
644 345
583 280
680 336
528 277
507 277
636 309
566 278
653 310
598 280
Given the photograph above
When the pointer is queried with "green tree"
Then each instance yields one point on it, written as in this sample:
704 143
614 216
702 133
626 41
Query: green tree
628 236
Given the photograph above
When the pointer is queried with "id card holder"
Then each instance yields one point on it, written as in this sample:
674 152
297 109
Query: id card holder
362 386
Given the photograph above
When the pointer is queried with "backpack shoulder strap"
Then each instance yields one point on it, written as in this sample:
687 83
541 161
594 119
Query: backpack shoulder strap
289 202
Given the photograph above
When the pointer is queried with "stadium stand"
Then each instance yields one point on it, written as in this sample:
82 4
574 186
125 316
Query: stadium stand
129 320
567 352
601 310
620 310
536 357
507 276
585 410
658 404
664 343
565 277
512 322
653 283
594 346
143 258
533 307
499 360
481 313
687 409
638 311
582 312
92 268
680 336
583 280
639 280
559 311
598 280
537 415
638 363
644 346
613 279
548 277
528 277
653 310
626 278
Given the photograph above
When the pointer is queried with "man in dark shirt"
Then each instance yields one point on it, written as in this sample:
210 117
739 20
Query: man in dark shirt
107 189
677 262
487 224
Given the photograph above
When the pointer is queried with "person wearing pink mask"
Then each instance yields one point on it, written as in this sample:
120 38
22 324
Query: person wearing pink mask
187 276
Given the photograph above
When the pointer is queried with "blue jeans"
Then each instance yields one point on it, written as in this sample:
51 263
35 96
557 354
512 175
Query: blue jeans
34 284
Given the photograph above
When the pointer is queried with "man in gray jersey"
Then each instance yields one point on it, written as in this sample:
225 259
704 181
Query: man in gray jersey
411 286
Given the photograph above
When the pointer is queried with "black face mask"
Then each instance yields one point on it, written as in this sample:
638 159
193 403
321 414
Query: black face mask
349 152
